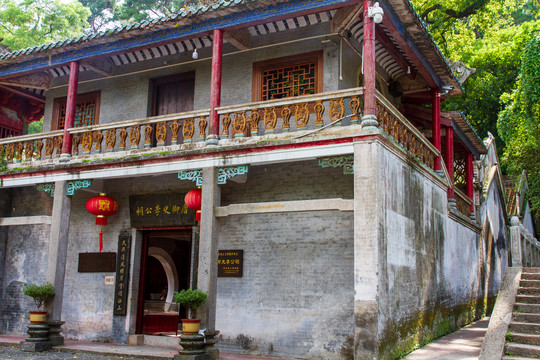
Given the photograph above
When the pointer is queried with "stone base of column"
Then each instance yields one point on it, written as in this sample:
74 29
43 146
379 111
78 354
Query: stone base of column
54 333
38 340
369 122
211 340
212 140
452 203
64 157
192 348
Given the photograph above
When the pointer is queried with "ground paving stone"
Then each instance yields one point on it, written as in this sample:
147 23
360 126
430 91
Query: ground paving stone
13 353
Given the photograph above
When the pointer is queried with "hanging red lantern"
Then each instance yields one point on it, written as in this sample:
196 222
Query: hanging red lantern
102 206
193 201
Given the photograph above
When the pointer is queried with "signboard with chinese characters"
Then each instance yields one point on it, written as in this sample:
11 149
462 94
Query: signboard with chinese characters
230 263
159 210
122 274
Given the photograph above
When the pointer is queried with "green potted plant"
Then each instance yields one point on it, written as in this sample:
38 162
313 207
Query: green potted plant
191 299
41 294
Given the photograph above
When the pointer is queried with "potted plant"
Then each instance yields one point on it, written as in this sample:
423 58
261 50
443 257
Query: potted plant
41 294
191 299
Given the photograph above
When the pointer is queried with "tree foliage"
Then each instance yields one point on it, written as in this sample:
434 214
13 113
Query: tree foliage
25 23
519 123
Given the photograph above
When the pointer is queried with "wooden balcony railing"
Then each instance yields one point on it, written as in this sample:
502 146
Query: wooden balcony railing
292 114
309 112
463 202
392 122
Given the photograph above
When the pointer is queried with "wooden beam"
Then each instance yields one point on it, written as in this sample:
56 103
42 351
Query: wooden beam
24 93
102 66
238 38
402 61
422 114
345 16
38 80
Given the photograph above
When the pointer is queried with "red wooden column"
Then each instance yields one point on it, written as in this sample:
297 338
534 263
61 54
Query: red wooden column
71 104
369 119
436 124
450 158
215 87
469 179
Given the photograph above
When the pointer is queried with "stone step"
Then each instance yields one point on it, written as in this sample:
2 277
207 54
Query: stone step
530 339
524 328
529 291
527 308
529 270
516 358
530 283
531 351
526 317
527 299
530 276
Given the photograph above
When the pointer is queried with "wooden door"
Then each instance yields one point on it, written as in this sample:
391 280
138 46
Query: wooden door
173 94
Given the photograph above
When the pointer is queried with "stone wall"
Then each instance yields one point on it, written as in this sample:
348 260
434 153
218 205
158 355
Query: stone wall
435 272
23 254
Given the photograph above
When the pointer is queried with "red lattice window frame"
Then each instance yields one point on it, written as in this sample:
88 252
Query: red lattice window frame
288 76
86 111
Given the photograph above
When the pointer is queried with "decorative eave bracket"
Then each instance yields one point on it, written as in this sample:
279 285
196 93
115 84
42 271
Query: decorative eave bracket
71 186
345 161
223 175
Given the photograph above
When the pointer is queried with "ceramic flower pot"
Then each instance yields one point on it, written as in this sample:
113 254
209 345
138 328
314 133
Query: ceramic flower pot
191 326
38 317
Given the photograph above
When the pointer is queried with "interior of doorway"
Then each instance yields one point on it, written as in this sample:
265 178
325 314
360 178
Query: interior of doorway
165 268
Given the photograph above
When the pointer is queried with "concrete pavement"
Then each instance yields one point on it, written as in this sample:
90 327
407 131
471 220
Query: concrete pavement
463 344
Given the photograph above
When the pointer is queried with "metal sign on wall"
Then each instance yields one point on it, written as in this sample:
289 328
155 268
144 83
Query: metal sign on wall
230 263
158 210
122 274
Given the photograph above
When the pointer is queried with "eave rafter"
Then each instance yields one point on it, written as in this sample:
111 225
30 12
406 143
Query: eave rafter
345 16
399 34
387 43
101 66
24 93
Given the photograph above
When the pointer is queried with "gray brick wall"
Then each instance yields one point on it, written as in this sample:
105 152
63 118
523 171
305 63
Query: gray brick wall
296 294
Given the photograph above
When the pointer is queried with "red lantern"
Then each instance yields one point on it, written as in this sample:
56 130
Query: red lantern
102 206
193 201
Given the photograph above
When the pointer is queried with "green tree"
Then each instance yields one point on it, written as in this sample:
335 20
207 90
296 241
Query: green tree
519 123
26 23
139 10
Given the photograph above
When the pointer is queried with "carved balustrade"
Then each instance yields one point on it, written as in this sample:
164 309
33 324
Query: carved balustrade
24 148
393 123
144 133
291 114
463 202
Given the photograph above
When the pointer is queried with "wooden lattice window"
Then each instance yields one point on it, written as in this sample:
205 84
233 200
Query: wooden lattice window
86 111
460 178
287 77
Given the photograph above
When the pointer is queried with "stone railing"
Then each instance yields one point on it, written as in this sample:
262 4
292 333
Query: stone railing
34 146
463 202
292 114
524 246
392 122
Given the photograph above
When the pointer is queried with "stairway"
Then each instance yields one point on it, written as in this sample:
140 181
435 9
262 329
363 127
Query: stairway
523 337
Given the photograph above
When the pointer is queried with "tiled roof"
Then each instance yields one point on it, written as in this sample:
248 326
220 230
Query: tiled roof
144 25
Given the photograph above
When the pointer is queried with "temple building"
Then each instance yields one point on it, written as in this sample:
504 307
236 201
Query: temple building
343 215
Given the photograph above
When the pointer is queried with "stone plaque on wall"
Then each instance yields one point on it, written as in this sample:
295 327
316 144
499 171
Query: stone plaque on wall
159 210
230 263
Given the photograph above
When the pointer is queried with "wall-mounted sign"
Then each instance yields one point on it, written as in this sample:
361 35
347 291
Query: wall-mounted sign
158 210
109 280
97 262
122 274
230 263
